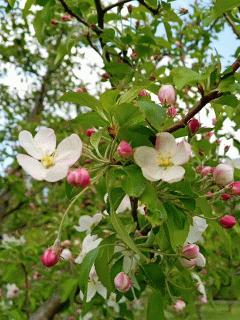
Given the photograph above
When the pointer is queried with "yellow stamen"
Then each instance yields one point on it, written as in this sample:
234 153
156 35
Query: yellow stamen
48 161
164 161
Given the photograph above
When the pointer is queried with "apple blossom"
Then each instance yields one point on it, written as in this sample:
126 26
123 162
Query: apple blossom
223 174
235 187
12 290
167 94
8 241
90 132
78 177
196 230
179 305
193 125
122 282
207 170
50 257
87 222
190 251
188 263
45 161
94 286
89 243
228 221
164 161
200 260
171 112
124 149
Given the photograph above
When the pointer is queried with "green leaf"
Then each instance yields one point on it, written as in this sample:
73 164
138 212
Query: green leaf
182 76
155 275
88 120
84 99
154 113
108 99
123 235
67 287
95 138
133 183
129 95
155 306
178 225
222 6
85 268
27 7
102 263
128 115
11 3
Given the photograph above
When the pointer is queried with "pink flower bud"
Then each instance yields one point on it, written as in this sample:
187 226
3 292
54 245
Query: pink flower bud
78 177
122 282
206 171
66 17
50 257
90 131
225 196
143 93
228 221
235 187
190 251
124 149
210 194
193 125
223 174
186 263
167 94
171 112
179 305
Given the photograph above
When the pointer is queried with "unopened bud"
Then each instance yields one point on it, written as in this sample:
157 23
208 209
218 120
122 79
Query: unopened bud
179 305
223 174
167 94
190 251
235 187
50 256
124 149
171 112
193 125
228 221
78 177
122 282
90 132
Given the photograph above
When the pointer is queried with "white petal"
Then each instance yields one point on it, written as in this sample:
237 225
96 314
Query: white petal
46 140
32 166
29 145
56 173
200 260
69 150
200 223
193 235
236 163
91 291
85 223
173 174
183 153
124 205
153 173
101 290
97 218
145 156
166 144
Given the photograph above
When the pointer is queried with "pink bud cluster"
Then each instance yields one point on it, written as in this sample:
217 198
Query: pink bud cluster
78 177
124 149
189 252
122 282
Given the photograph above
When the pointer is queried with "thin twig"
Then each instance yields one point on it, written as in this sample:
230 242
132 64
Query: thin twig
134 204
114 5
232 25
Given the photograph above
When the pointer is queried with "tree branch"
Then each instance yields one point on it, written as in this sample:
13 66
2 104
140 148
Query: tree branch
152 10
232 25
114 5
134 205
48 309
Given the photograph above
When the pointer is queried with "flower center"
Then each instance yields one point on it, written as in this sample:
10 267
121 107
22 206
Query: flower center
164 161
48 161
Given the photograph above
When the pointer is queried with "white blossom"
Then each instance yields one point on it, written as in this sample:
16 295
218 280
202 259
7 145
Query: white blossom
164 161
8 241
196 230
87 222
44 161
90 242
94 286
66 254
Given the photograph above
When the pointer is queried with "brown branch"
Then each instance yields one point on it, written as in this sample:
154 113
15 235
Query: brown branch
48 309
114 5
152 10
202 103
84 22
134 205
232 25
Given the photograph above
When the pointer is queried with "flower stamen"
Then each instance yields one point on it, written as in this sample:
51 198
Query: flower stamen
47 161
164 161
